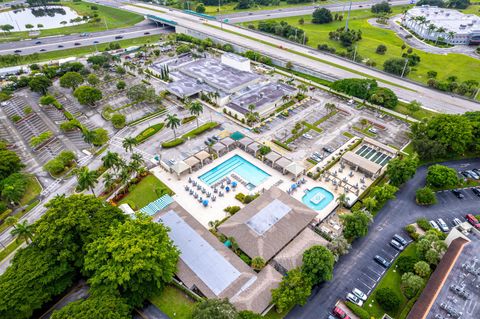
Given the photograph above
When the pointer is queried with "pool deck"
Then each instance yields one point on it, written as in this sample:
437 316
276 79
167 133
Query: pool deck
214 210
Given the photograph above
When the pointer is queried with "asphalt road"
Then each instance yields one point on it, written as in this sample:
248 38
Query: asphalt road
357 269
299 11
68 41
309 58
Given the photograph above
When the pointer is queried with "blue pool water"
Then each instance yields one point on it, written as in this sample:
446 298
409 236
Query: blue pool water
238 165
317 198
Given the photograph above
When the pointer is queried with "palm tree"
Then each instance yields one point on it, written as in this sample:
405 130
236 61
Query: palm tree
451 34
23 231
111 159
440 32
330 107
88 136
124 177
108 181
86 179
431 28
302 87
196 108
173 122
364 123
128 143
137 157
342 200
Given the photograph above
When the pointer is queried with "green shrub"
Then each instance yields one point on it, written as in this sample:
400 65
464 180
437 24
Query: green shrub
425 196
282 145
359 311
188 119
148 132
118 120
232 209
250 198
245 258
240 197
15 118
406 263
39 139
424 224
199 130
388 299
173 143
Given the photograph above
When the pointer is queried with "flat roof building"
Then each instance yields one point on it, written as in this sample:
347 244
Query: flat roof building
269 223
453 289
446 25
206 266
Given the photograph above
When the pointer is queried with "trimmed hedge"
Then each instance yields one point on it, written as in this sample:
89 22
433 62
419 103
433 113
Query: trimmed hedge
359 311
173 143
193 133
188 119
282 145
148 132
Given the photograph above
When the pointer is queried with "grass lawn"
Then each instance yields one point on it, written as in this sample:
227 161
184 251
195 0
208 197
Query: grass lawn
391 279
174 303
472 9
81 51
110 17
373 36
401 107
145 192
33 190
273 314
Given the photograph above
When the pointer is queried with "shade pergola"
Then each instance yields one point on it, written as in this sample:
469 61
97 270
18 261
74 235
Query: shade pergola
244 142
283 162
227 141
254 147
202 155
218 147
295 169
179 167
192 161
273 157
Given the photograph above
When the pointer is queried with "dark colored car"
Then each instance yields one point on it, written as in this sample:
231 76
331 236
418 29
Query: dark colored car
328 149
95 42
38 42
60 46
473 220
476 191
118 37
382 261
17 51
146 33
42 50
458 194
340 313
77 43
400 239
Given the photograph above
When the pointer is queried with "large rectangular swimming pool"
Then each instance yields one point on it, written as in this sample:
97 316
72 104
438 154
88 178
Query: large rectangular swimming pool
250 173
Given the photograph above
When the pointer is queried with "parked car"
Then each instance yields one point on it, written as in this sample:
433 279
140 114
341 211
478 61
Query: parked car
328 149
466 174
382 261
395 244
476 191
456 221
77 43
458 194
354 299
146 33
400 239
434 225
373 130
307 136
60 46
317 154
443 225
96 42
42 50
340 313
473 174
473 220
357 292
477 171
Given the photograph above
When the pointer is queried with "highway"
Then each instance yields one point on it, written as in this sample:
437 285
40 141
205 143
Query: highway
299 11
55 43
308 57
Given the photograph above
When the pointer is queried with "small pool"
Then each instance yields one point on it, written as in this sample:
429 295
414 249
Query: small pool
317 198
250 173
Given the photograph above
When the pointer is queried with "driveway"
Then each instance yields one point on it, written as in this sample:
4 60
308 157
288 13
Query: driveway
357 269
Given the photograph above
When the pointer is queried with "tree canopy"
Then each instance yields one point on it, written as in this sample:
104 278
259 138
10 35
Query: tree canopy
295 288
401 169
442 176
321 15
71 80
355 224
215 309
99 306
318 264
87 95
9 164
396 66
137 258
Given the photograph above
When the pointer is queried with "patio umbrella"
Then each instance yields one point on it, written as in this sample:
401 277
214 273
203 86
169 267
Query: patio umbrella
294 186
227 189
205 203
234 184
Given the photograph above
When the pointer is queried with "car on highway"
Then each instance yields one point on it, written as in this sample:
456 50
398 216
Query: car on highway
42 50
357 292
38 42
60 46
395 244
476 191
146 33
307 136
354 299
77 43
95 42
434 225
400 239
443 225
457 194
473 221
340 313
118 37
382 261
456 221
17 51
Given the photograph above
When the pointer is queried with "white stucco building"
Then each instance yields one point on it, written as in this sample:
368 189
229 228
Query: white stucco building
448 25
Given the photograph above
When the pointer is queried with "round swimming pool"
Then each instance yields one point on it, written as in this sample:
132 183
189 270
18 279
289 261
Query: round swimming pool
317 198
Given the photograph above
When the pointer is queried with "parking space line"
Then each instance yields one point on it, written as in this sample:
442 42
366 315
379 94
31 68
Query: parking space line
374 271
370 278
365 284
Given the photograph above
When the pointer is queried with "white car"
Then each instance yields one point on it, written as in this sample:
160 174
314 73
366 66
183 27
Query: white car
354 299
434 225
358 293
373 130
307 136
456 221
443 225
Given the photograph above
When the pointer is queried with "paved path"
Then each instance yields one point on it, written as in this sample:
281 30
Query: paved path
357 269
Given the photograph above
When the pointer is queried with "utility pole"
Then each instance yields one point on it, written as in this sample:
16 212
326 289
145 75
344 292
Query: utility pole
348 15
355 54
404 68
106 25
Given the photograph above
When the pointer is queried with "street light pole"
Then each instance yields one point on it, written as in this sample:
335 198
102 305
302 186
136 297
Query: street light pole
404 68
348 15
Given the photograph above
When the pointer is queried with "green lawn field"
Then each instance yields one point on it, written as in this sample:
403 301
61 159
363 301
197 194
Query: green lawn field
111 18
174 302
446 65
145 192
